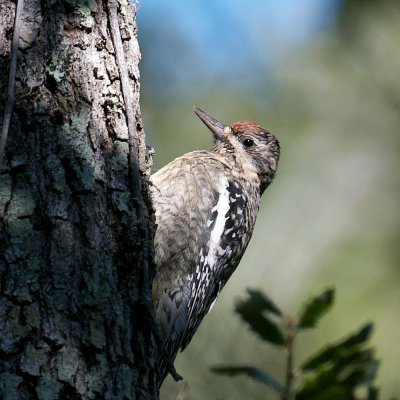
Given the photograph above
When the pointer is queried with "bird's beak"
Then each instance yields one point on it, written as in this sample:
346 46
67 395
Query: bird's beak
218 129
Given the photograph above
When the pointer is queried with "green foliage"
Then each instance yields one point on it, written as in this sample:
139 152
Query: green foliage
251 372
262 302
256 310
316 308
340 350
336 372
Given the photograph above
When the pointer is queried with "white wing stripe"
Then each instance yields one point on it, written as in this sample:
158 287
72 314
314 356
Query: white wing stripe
222 208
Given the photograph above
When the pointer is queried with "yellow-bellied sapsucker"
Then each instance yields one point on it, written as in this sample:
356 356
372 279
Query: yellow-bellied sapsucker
206 204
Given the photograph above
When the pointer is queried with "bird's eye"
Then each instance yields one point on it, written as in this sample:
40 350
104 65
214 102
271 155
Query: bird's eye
248 142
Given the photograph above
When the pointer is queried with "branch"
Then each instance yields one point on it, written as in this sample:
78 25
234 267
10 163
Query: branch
292 327
11 79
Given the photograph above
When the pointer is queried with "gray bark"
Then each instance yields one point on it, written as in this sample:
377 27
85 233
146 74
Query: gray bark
75 232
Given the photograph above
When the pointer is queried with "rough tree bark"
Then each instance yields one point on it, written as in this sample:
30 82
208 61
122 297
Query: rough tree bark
75 221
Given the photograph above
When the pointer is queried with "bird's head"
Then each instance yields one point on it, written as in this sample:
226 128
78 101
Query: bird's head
246 143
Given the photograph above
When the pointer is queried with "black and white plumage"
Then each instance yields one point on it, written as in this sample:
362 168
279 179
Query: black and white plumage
206 204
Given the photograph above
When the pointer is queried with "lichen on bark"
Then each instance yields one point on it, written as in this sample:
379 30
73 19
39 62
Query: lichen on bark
75 242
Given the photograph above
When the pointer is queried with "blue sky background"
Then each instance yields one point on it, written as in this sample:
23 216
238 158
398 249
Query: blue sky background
186 42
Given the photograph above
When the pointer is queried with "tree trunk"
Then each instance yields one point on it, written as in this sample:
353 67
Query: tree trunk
75 220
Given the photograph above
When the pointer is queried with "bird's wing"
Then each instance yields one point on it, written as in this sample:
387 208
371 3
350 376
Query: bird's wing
220 256
191 199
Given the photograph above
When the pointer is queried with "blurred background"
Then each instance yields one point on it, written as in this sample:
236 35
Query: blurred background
324 76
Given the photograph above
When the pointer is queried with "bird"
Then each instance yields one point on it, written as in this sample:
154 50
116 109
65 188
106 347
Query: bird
206 204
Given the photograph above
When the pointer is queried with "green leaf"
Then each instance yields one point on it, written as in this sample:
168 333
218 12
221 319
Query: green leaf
330 392
340 350
316 308
317 383
344 366
251 372
344 376
373 393
360 337
359 372
259 323
262 302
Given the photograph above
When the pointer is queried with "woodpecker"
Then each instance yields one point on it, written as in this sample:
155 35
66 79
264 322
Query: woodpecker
206 204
